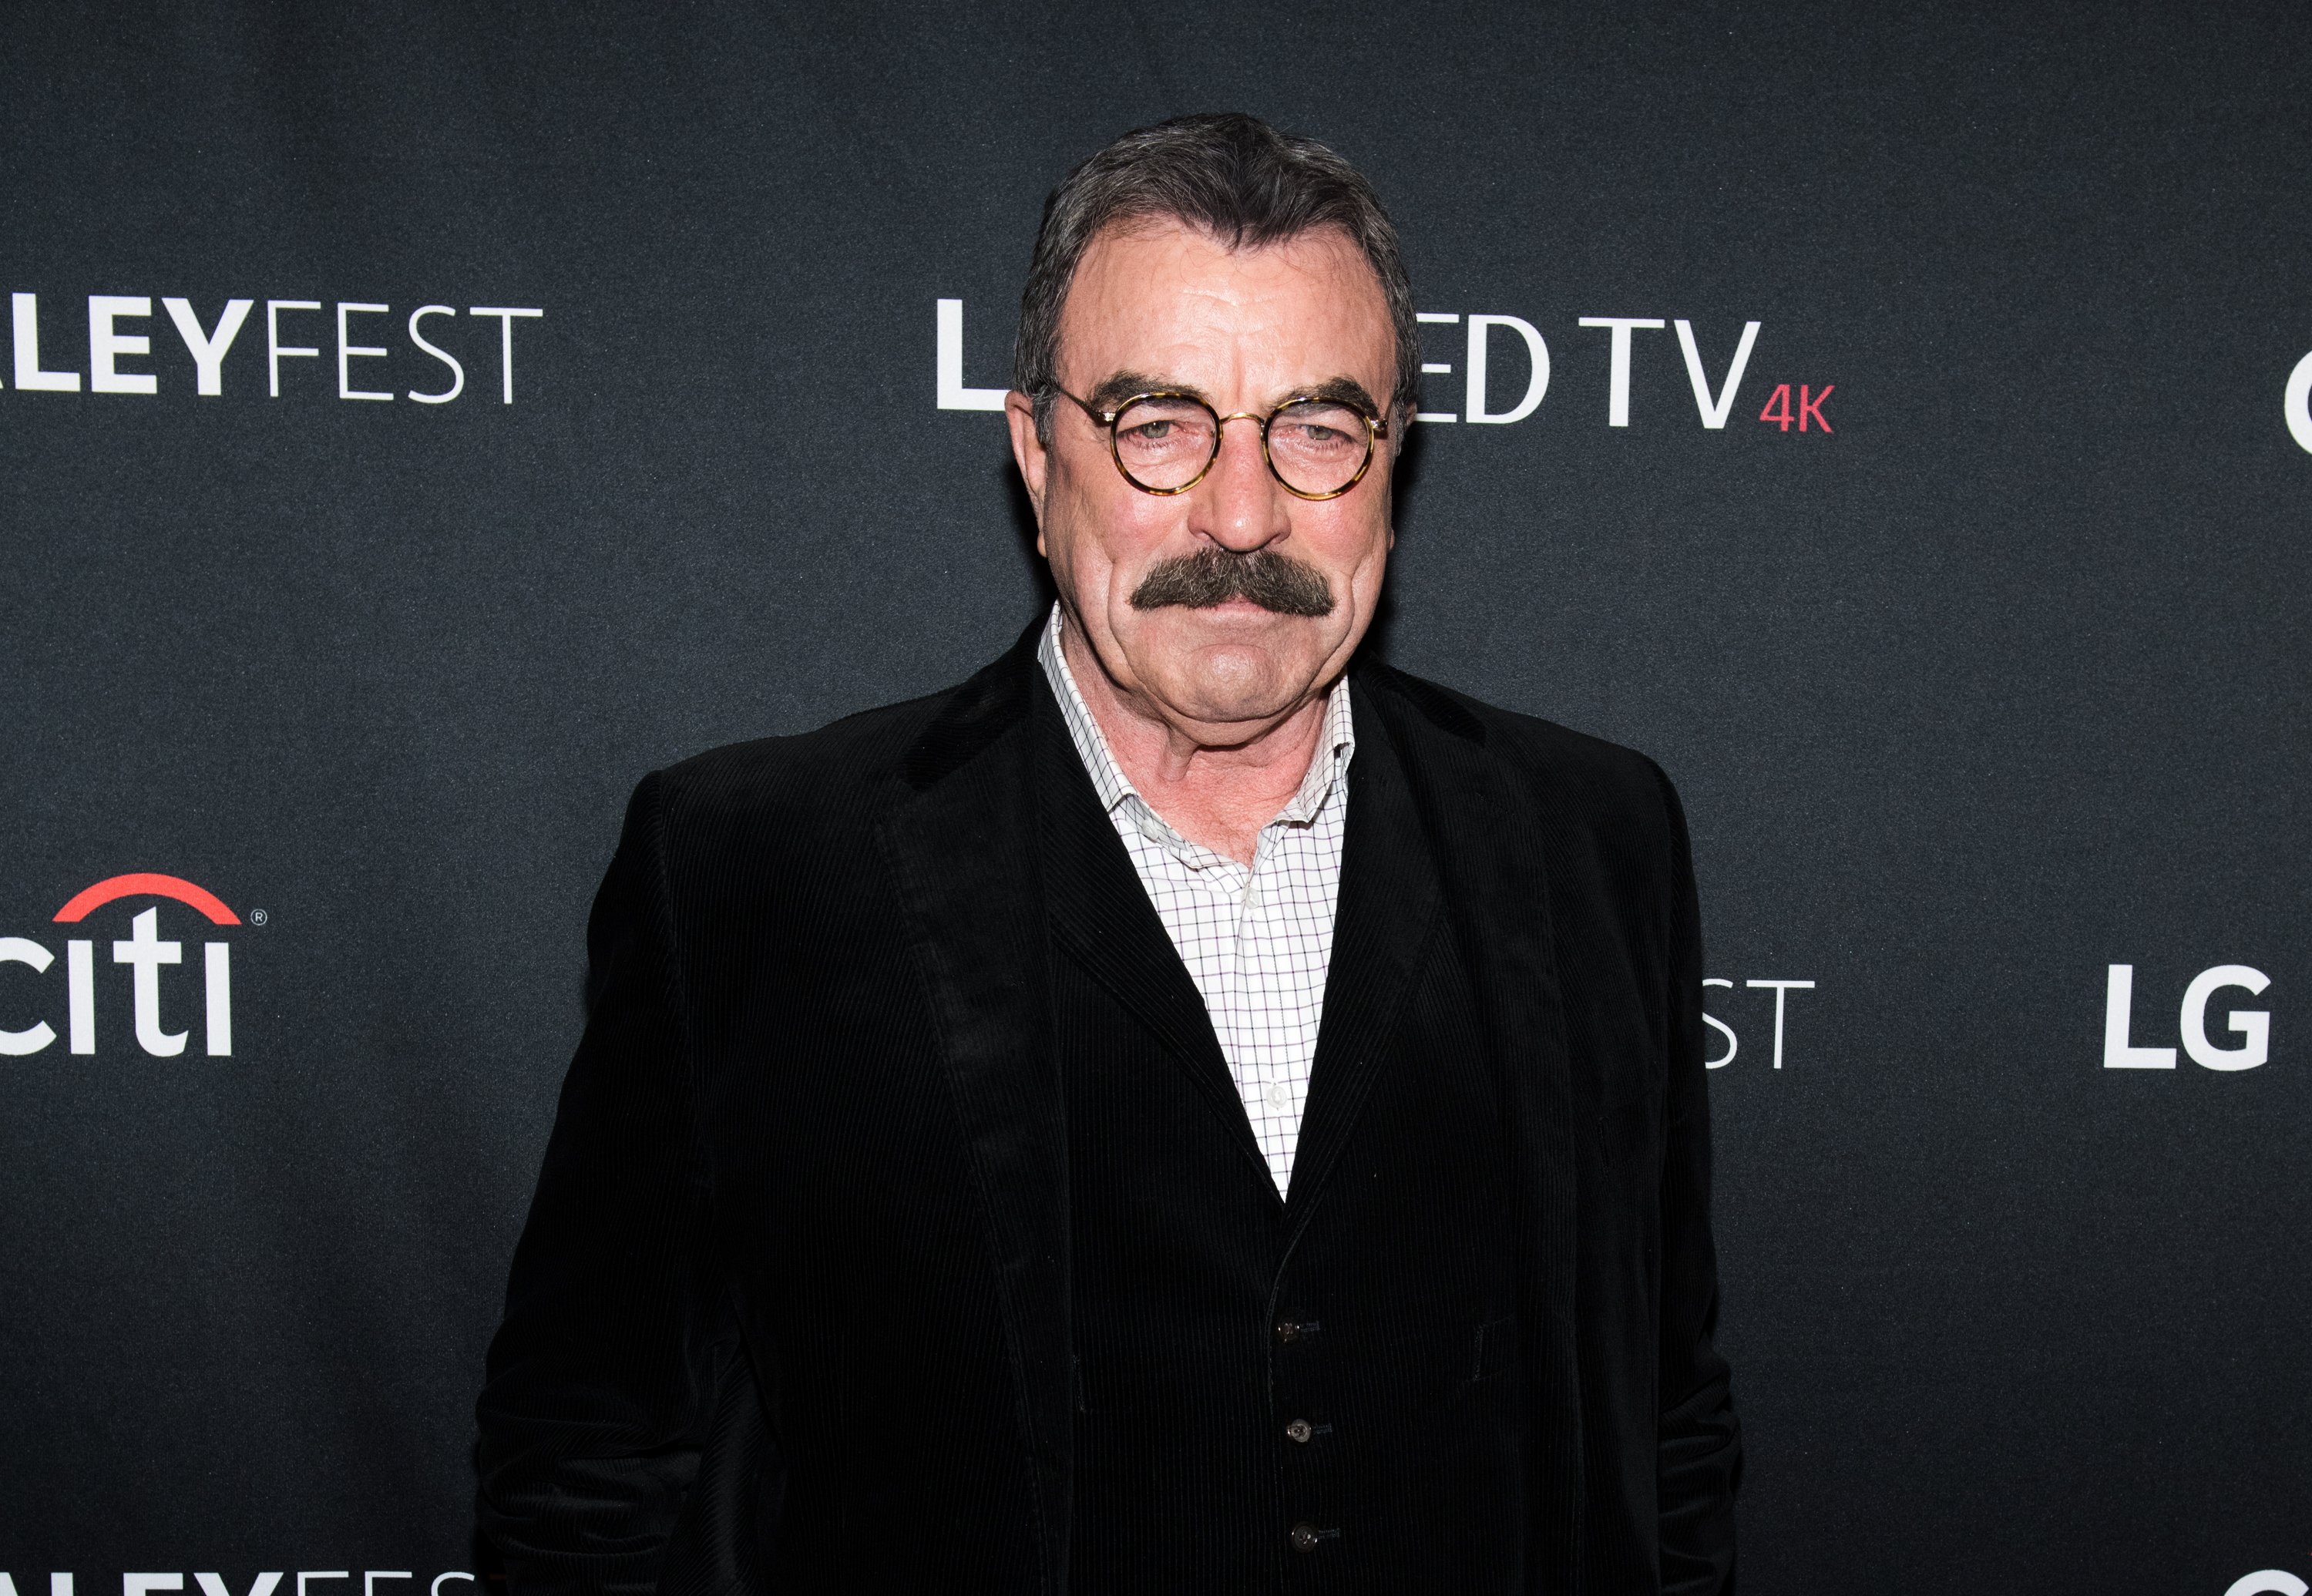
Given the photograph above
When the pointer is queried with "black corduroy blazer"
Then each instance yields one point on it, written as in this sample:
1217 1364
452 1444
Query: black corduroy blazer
792 1309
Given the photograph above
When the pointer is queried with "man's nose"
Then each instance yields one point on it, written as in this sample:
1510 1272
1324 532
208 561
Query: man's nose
1239 503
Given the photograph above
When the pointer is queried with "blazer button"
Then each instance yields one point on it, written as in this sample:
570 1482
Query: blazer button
1304 1538
1288 1332
1298 1430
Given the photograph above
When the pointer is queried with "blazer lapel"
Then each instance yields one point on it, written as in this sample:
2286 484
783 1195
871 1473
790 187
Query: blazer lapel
1491 846
958 841
1102 915
1383 922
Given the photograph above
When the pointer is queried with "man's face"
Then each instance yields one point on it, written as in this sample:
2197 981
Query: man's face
1163 306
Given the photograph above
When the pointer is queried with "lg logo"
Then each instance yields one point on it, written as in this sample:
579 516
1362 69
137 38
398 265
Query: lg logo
144 951
1486 400
2253 1026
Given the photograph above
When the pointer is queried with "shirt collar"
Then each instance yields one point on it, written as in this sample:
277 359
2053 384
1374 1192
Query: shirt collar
1335 744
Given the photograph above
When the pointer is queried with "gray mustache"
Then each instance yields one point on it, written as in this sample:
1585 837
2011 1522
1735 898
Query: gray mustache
1210 576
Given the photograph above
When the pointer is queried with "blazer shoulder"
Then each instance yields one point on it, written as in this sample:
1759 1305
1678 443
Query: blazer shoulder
1603 806
832 768
1545 757
847 770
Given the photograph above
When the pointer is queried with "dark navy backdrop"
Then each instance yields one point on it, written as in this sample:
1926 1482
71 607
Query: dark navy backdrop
1983 673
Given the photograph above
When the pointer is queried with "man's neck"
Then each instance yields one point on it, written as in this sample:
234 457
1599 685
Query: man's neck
1216 795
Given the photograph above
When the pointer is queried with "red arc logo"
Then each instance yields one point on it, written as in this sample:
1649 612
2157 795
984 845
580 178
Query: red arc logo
147 884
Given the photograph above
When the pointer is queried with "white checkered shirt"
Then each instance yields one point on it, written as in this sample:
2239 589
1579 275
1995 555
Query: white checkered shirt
1257 942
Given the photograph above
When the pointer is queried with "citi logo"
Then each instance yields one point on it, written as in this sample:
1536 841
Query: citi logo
1489 400
2253 1026
144 951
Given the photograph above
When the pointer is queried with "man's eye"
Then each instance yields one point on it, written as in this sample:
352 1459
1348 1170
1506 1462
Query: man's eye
1150 432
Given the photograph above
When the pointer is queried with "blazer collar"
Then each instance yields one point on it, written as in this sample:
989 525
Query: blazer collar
1100 914
1385 921
1384 924
956 839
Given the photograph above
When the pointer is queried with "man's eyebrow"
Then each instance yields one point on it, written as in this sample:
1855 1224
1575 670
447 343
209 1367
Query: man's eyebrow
1123 385
1346 390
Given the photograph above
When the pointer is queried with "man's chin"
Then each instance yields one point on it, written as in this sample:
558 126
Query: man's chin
1218 690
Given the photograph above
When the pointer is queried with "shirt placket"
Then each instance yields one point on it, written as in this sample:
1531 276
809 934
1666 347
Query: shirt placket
1227 882
1267 1086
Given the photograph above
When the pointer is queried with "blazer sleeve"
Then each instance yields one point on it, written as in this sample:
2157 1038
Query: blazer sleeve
1700 1440
600 1378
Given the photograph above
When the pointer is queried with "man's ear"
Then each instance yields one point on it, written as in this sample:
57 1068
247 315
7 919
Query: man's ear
1028 452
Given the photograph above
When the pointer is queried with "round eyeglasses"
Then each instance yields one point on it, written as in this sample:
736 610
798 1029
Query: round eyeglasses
1165 442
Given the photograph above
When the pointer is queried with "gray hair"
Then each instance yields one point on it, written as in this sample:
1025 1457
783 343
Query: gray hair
1239 180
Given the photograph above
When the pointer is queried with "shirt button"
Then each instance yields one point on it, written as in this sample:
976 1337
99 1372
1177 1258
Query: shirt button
1279 1096
1304 1538
1298 1430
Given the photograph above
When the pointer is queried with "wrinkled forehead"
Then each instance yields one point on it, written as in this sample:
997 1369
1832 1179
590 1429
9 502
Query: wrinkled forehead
1164 298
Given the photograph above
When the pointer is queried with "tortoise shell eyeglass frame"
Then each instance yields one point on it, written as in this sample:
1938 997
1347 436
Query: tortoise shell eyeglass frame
1376 429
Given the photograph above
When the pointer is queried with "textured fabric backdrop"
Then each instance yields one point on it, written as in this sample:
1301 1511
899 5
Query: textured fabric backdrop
1967 609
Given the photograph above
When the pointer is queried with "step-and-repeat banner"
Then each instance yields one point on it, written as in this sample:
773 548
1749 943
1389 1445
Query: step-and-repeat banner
418 422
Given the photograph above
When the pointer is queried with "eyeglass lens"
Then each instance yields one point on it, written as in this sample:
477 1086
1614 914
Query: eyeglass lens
1315 446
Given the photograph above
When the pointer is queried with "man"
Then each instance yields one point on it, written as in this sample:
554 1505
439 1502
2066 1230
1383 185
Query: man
1189 1109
